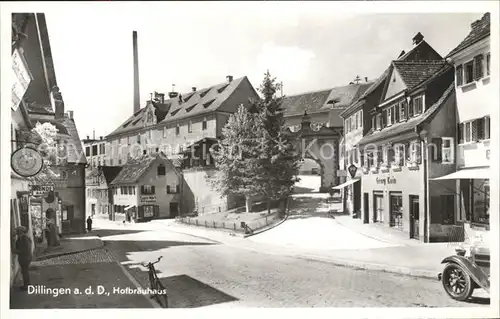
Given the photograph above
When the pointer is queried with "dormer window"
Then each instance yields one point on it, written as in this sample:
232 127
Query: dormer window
204 93
220 90
469 72
208 103
402 112
190 108
378 121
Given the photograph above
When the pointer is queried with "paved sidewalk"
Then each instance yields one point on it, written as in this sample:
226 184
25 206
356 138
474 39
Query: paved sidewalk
72 281
70 245
378 232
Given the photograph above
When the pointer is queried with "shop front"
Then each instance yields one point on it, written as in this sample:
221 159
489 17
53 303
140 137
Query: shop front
473 201
392 198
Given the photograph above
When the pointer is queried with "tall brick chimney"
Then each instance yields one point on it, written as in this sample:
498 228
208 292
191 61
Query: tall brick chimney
137 103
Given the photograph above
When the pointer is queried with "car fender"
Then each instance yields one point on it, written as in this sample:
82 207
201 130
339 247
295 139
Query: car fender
477 275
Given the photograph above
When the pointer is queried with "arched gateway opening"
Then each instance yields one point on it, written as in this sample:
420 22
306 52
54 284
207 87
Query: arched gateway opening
319 146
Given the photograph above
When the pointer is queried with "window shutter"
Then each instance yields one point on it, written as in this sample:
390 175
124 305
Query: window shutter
418 152
474 136
153 190
168 189
177 189
156 211
407 151
436 150
396 111
140 212
480 128
393 115
459 75
142 189
384 118
460 130
478 68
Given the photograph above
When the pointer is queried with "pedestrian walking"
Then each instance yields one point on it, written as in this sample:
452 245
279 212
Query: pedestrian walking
24 254
89 224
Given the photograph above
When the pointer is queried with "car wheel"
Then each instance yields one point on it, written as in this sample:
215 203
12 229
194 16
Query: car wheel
457 282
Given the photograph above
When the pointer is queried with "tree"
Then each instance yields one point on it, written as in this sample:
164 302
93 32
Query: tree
237 157
279 160
47 147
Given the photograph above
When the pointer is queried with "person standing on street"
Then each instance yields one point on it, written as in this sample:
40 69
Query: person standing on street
89 224
24 254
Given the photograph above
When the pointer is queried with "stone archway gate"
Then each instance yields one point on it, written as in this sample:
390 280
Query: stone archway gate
322 146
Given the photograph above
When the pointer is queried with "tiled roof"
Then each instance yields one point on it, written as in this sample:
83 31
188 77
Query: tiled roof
415 72
193 103
399 128
318 101
136 168
39 109
480 29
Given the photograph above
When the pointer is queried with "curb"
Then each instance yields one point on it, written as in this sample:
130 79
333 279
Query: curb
54 255
267 228
404 271
369 236
137 285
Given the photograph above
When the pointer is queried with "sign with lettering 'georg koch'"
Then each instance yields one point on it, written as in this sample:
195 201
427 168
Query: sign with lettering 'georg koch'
385 181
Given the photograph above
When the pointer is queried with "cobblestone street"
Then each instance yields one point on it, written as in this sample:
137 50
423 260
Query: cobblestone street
86 270
200 273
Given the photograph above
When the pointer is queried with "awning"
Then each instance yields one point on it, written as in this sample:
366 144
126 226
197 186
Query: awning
350 182
469 173
128 207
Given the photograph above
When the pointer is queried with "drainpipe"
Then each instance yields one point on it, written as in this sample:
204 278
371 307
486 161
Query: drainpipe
422 136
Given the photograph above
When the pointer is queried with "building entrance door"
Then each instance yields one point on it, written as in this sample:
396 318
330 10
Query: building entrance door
357 199
174 210
378 208
414 217
92 209
366 211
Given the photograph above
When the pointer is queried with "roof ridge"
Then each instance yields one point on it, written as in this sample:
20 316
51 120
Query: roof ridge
205 88
328 89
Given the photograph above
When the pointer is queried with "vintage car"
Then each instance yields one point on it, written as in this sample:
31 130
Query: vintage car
469 269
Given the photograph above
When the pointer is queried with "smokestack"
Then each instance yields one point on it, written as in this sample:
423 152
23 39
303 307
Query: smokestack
137 105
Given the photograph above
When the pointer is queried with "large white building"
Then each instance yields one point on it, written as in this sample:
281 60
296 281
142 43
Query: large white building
475 102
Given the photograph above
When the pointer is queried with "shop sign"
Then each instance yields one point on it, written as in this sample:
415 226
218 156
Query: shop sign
21 78
40 190
385 181
148 198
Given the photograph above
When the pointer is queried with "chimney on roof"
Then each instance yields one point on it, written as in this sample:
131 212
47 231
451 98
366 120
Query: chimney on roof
366 79
137 103
88 137
418 38
229 78
180 98
100 137
70 115
194 88
173 93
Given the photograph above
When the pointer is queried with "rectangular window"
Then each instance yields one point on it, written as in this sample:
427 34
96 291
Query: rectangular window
161 170
345 126
488 64
402 111
379 121
467 132
87 151
459 75
204 124
415 152
94 150
190 127
138 139
417 105
389 116
478 60
177 130
400 155
147 190
395 111
469 72
447 150
410 109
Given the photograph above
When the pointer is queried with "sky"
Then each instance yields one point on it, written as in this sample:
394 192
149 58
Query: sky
306 46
